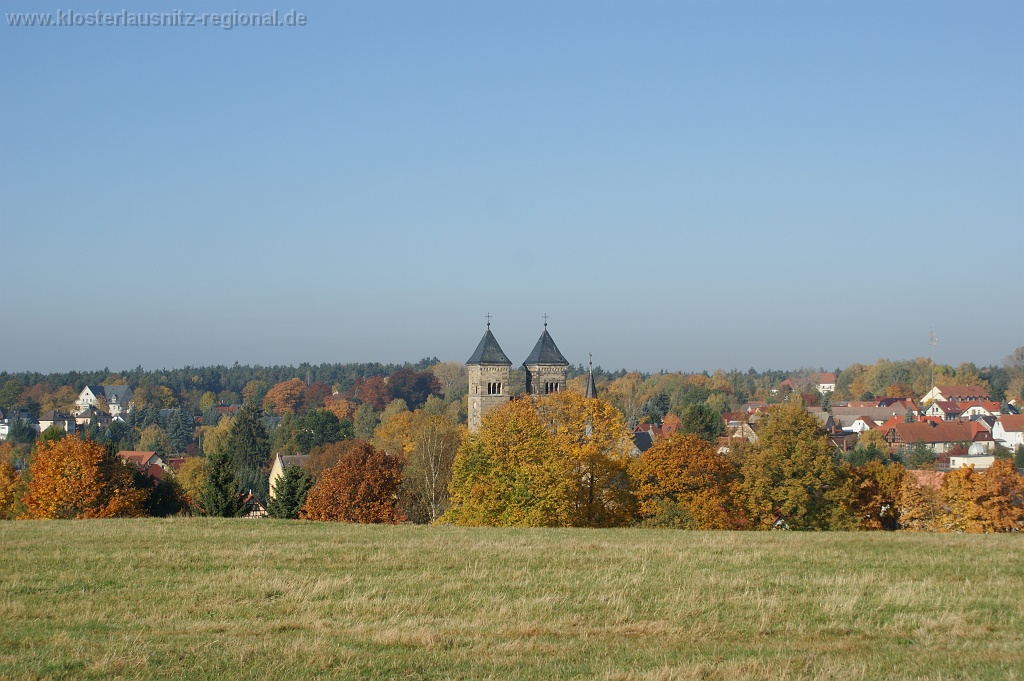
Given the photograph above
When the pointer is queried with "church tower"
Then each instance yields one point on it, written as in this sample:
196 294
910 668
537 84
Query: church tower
545 367
488 378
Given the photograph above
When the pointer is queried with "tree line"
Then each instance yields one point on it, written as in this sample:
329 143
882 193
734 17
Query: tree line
557 461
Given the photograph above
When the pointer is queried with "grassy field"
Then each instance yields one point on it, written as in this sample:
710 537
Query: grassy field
204 598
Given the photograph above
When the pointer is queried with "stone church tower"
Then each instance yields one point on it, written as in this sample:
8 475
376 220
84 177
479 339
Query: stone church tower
545 367
488 378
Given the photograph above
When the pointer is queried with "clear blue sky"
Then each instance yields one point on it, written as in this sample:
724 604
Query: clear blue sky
680 185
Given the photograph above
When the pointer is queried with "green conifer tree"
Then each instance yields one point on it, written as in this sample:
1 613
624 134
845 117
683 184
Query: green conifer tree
249 446
290 493
220 496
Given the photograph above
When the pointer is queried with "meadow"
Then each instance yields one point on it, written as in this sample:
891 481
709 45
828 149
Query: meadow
211 598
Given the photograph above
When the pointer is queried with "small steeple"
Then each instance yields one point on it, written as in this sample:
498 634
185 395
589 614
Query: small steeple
591 386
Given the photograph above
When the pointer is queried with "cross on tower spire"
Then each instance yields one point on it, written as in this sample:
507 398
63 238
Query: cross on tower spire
545 320
488 315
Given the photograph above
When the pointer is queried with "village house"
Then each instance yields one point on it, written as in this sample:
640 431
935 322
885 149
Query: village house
979 408
118 398
939 437
947 410
955 393
1009 430
148 462
280 464
85 417
59 419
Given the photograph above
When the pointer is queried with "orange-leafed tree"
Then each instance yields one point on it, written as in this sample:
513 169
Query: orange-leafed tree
919 502
362 487
876 493
591 435
75 478
987 501
684 482
285 396
341 407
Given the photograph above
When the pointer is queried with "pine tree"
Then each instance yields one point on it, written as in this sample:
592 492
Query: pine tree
220 496
250 449
179 430
290 493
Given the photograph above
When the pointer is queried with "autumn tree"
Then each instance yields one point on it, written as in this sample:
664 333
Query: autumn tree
511 473
10 485
314 396
255 390
250 449
426 442
154 439
987 501
628 395
684 482
75 478
876 494
792 475
361 488
452 378
394 407
290 492
215 436
372 391
919 503
591 435
284 397
413 387
192 478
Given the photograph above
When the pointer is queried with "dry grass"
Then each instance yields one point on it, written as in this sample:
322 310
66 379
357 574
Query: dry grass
204 598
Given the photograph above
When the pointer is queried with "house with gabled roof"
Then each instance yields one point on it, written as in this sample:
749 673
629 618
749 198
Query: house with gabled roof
955 393
1009 430
280 464
117 397
939 437
85 417
148 462
947 410
979 408
53 417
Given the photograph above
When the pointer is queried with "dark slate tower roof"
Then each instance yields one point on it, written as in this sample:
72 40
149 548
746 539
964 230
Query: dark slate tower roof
591 386
489 352
546 352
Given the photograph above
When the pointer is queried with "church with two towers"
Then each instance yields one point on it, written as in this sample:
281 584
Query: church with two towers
489 368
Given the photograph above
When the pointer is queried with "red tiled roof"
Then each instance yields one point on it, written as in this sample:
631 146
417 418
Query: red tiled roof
946 431
948 406
140 459
1013 423
826 377
987 406
961 392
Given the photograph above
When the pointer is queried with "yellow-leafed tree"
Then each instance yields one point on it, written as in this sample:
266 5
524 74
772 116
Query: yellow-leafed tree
591 435
511 473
